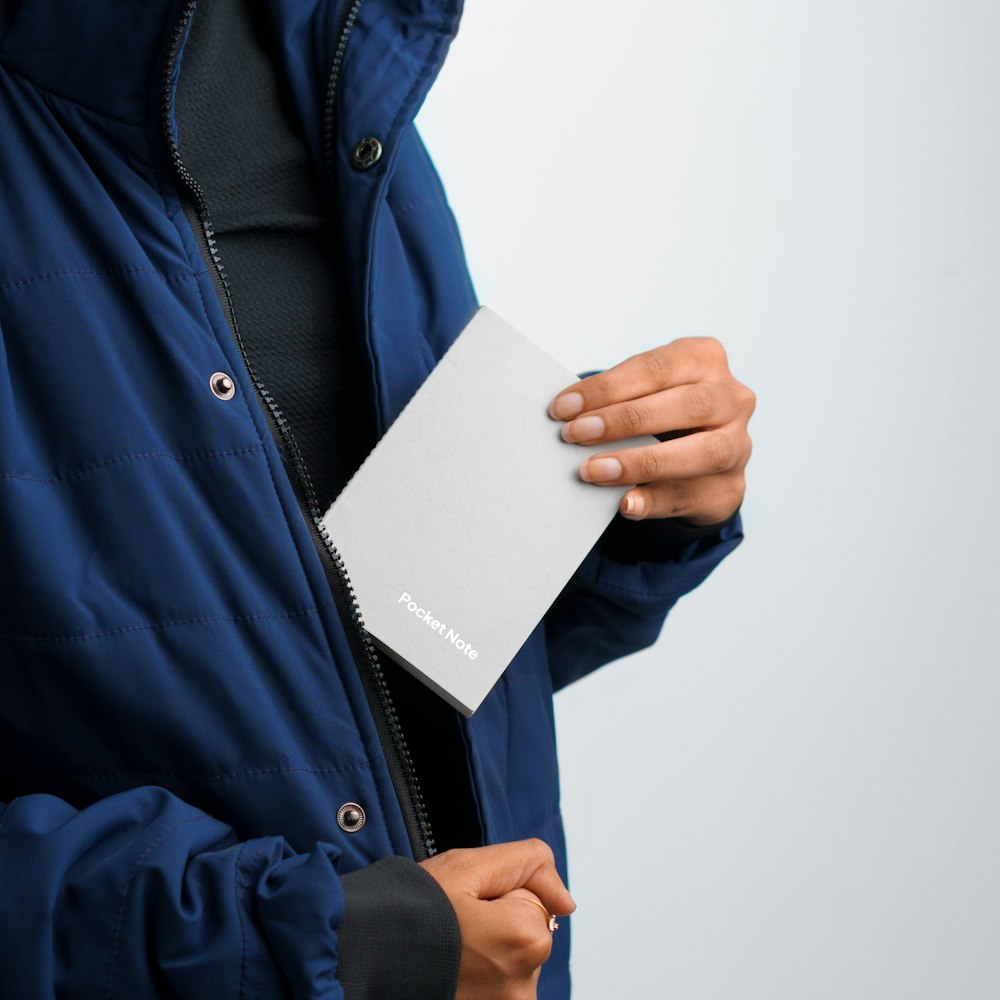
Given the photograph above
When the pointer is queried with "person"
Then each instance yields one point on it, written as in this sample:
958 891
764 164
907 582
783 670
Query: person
226 264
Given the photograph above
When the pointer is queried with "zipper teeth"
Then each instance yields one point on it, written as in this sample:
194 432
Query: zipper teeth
389 707
195 188
284 428
331 88
392 717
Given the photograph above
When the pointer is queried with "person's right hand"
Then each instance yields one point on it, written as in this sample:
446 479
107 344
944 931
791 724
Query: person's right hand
505 939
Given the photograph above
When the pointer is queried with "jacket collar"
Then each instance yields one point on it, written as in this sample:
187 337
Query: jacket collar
103 54
109 55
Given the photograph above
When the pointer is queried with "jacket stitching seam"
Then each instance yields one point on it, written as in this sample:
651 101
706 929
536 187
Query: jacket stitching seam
81 637
125 891
413 203
227 775
113 272
192 457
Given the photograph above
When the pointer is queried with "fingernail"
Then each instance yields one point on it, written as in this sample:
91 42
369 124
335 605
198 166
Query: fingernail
635 505
584 429
601 470
566 406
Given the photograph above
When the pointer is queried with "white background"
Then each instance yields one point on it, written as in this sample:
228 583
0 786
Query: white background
794 794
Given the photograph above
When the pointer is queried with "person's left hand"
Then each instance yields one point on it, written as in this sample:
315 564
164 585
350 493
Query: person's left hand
683 390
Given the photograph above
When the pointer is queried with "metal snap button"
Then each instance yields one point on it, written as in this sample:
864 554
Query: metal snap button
366 153
350 817
222 385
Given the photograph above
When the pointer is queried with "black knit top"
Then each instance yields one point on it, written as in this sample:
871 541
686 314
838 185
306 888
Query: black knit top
240 140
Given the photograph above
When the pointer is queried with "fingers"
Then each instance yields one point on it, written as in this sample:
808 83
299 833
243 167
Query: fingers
493 871
525 864
527 926
504 944
706 453
502 896
690 359
702 501
529 897
546 884
683 394
702 404
548 919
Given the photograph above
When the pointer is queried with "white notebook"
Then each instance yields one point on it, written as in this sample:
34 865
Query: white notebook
467 519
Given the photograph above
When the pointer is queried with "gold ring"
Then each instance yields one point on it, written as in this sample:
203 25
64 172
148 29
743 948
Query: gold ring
550 918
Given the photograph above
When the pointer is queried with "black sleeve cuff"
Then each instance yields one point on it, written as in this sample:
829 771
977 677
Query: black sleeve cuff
399 935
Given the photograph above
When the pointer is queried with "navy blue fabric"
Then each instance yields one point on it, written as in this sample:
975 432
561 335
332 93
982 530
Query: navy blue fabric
180 715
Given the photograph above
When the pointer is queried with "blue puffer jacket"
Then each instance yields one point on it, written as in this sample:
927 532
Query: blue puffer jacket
181 709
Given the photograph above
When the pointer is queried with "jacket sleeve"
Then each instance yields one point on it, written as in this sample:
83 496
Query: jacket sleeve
141 895
613 606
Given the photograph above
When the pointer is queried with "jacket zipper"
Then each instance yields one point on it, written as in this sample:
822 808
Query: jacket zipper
350 16
374 681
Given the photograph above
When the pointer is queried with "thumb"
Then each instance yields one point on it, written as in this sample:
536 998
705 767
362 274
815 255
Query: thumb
525 864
